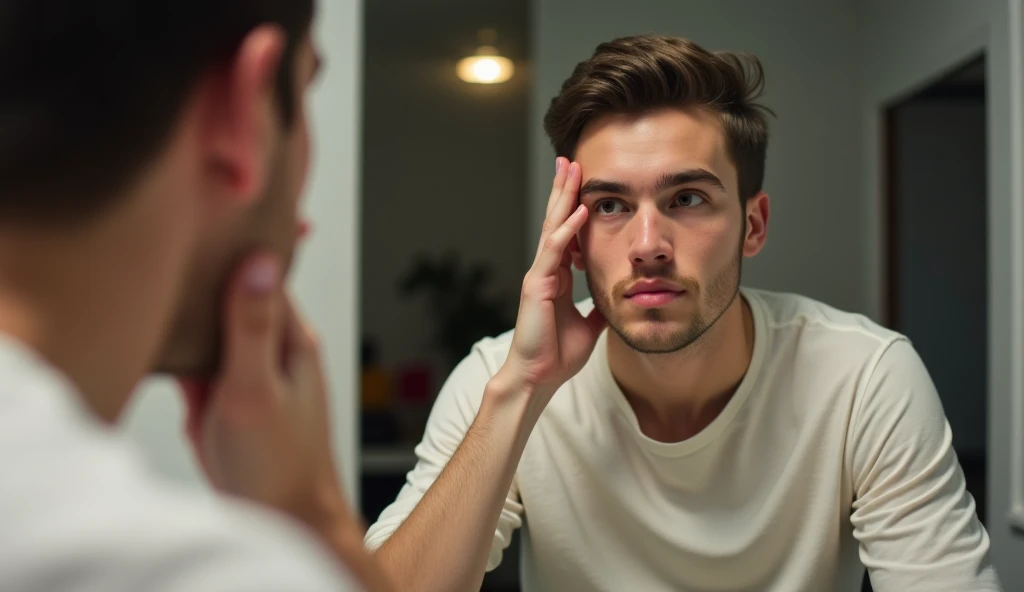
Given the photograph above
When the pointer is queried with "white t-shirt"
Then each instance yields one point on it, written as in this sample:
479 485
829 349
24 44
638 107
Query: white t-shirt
79 510
833 454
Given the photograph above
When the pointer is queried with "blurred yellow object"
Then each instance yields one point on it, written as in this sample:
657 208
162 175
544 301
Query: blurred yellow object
376 389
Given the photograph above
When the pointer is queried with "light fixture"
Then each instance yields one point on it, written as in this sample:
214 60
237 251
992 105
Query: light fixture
487 66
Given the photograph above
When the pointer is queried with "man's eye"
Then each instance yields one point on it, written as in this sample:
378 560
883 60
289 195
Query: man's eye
609 206
689 199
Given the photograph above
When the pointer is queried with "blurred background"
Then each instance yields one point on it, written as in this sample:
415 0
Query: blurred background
896 170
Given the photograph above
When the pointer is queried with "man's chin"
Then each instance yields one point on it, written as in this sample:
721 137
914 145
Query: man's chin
656 321
652 337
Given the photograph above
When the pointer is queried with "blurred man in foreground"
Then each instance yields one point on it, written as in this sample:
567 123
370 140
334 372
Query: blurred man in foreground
152 155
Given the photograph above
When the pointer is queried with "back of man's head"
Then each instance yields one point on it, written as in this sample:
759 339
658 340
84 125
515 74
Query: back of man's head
172 138
90 91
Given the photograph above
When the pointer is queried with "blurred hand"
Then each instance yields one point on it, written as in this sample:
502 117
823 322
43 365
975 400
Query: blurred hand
260 428
552 340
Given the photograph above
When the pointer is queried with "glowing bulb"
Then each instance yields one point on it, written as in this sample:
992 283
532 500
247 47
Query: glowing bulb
486 67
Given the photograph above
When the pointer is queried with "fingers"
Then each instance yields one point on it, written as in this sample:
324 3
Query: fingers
563 200
561 172
301 348
254 322
574 248
566 261
553 249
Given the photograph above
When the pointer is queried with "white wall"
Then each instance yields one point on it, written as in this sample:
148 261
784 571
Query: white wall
905 44
325 278
808 51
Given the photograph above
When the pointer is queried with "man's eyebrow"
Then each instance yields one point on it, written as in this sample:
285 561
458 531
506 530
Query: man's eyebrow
666 181
689 176
601 186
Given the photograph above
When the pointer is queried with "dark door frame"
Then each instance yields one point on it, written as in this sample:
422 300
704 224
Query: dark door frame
891 307
966 89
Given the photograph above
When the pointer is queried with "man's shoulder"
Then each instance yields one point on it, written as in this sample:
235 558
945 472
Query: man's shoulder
124 529
784 311
79 498
802 331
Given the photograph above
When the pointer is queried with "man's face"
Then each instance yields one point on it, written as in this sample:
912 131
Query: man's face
270 222
663 246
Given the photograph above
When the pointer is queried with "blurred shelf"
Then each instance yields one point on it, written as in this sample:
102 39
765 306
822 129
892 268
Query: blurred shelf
387 460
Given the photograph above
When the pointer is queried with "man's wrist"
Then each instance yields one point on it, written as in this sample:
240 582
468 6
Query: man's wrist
509 398
327 512
342 532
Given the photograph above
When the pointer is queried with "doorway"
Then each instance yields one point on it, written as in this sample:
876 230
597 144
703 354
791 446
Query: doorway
936 204
937 253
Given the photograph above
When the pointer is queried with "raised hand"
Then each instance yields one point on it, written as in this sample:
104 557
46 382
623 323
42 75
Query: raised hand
552 340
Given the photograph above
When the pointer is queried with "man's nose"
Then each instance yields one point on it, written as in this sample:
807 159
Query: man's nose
651 244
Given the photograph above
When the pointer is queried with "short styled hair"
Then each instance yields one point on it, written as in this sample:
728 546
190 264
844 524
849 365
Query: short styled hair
643 73
90 90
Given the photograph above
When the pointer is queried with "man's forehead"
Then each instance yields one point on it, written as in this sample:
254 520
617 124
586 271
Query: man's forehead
642 148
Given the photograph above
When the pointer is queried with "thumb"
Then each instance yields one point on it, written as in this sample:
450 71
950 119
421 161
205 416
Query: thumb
253 331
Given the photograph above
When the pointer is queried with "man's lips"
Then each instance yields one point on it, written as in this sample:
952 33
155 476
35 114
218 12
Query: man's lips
652 287
653 293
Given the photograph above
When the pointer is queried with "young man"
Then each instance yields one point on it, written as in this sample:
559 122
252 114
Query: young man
713 437
149 152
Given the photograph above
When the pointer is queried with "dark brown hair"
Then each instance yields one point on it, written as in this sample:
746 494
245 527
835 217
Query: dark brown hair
641 73
90 91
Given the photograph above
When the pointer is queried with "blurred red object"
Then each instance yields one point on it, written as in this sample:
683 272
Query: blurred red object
415 384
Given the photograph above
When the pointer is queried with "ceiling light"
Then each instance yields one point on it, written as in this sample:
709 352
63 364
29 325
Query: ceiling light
487 66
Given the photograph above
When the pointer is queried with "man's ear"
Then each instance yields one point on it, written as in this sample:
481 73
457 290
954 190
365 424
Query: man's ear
757 224
240 118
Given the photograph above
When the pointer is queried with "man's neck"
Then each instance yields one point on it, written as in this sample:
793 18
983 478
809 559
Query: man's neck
84 300
38 309
675 396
